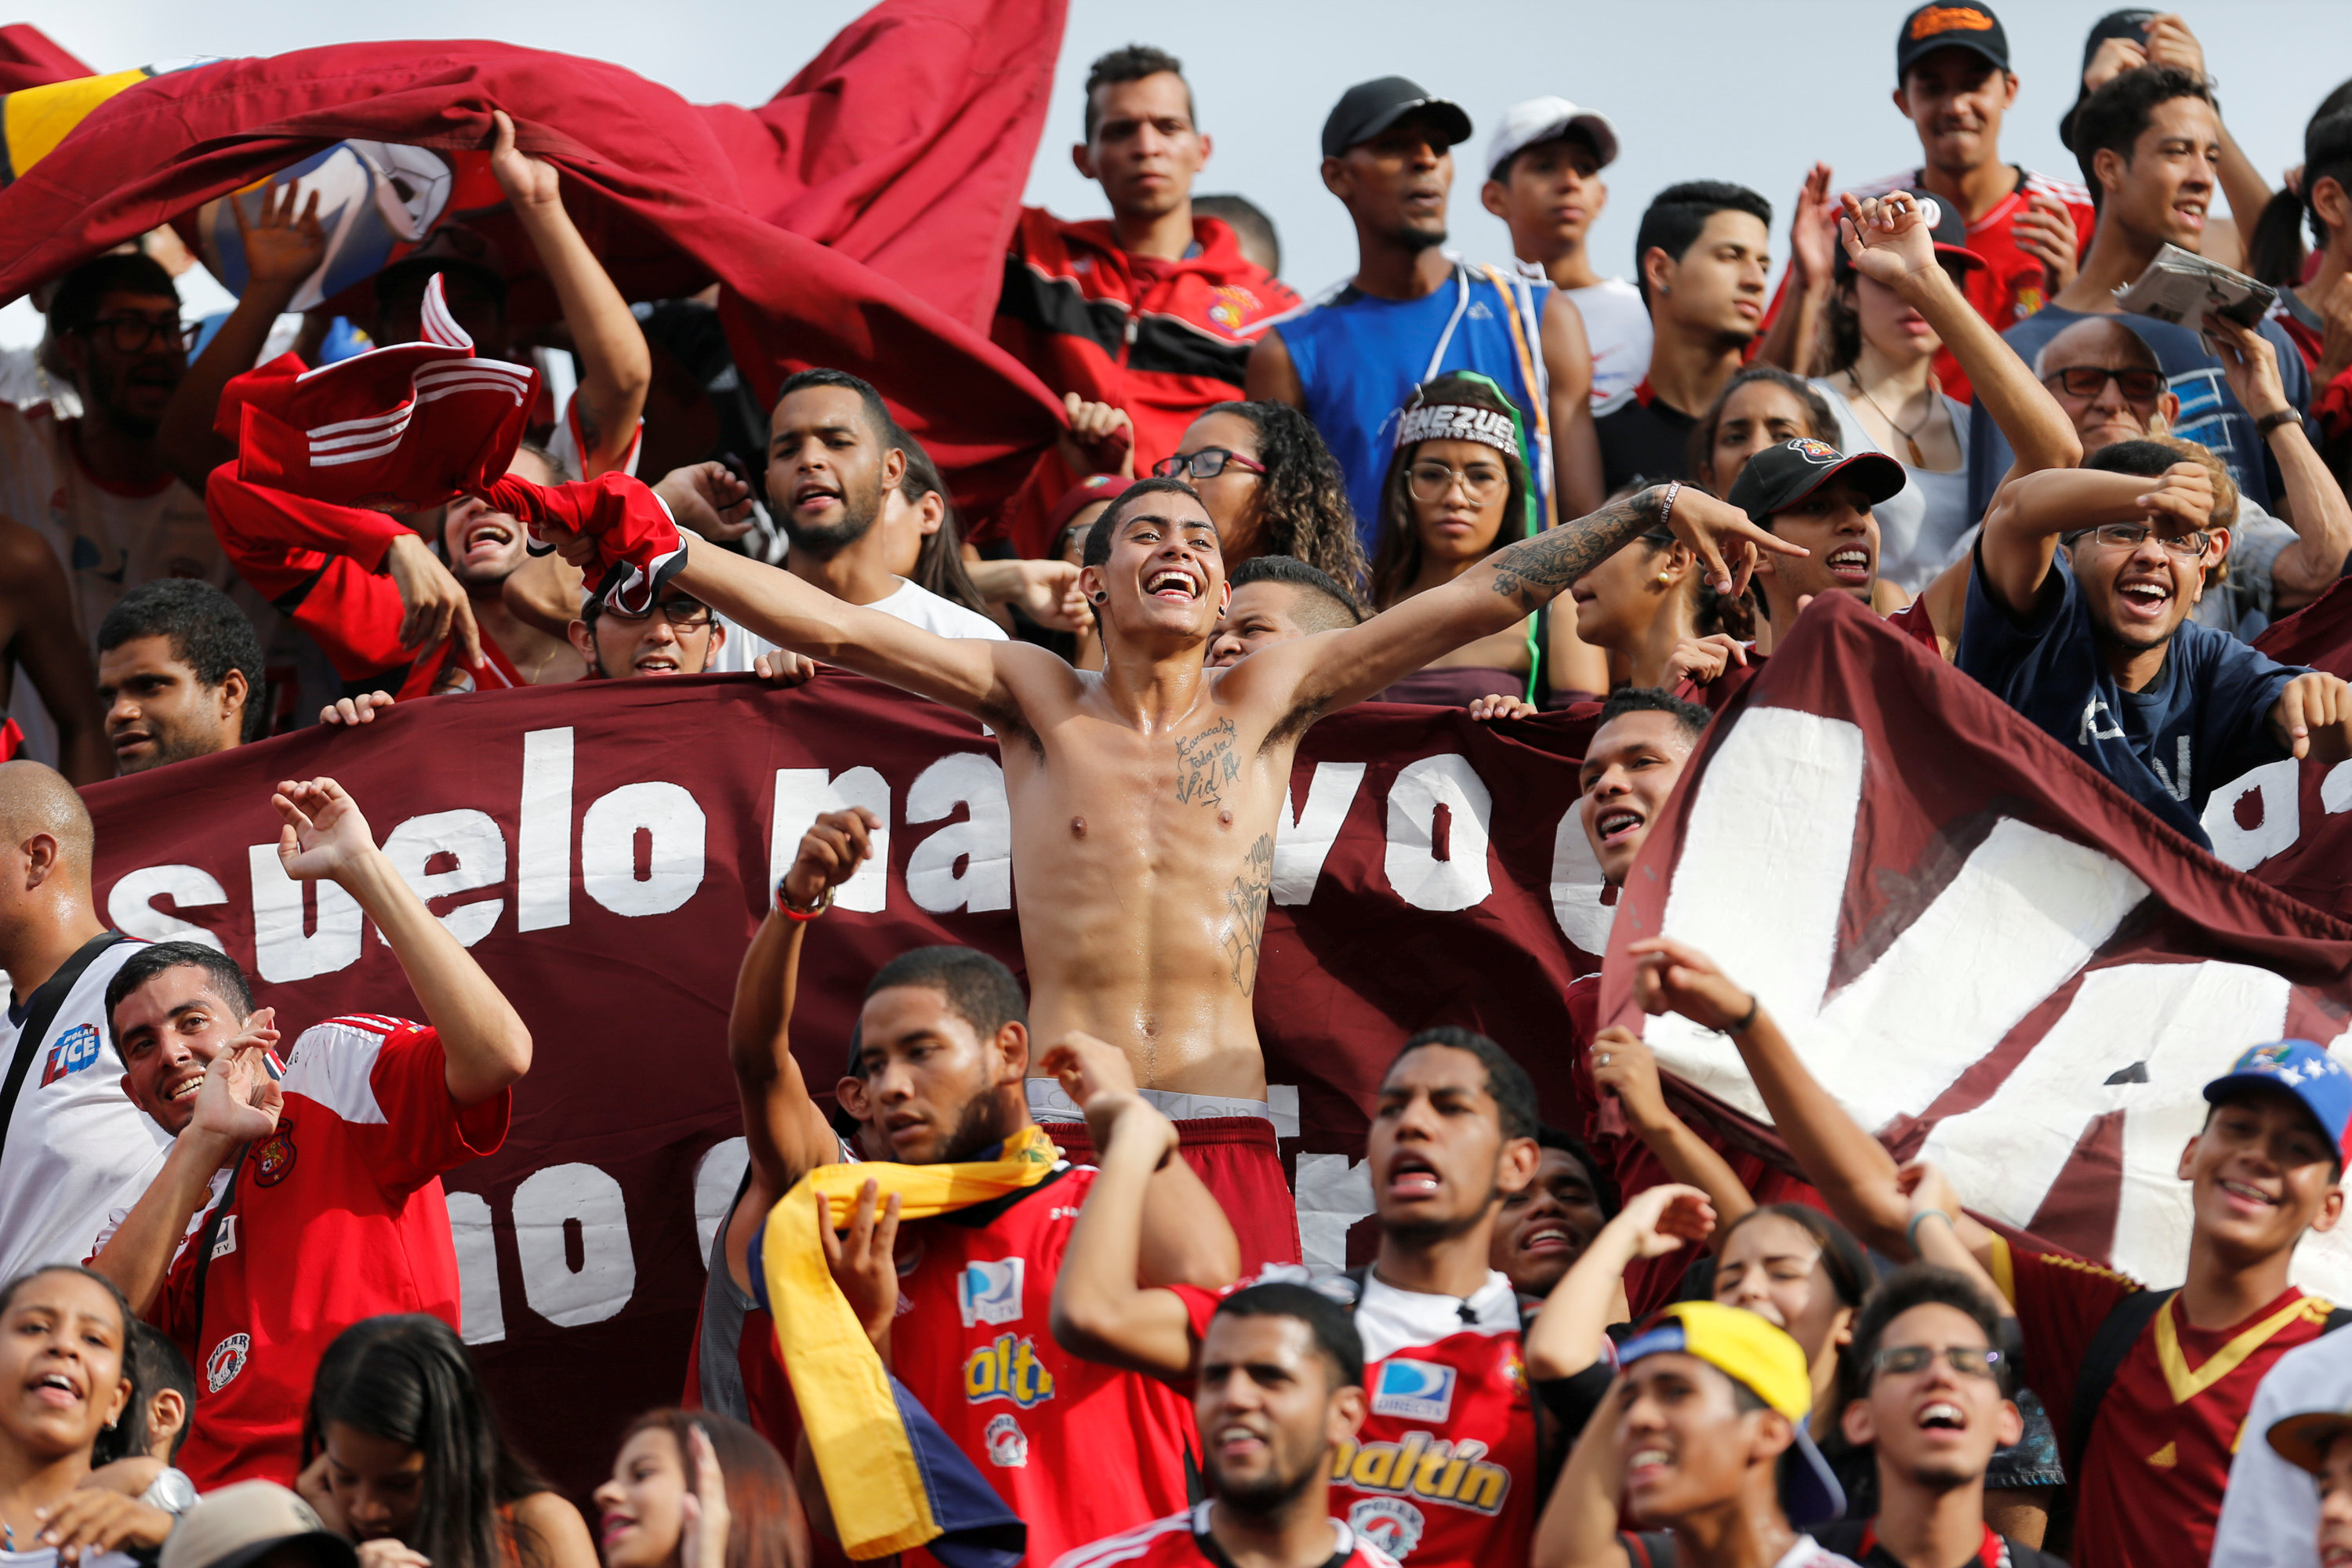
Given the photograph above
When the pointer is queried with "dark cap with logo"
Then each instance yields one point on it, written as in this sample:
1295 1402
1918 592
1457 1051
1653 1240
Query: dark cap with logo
1934 27
1369 108
1951 234
1778 477
2130 23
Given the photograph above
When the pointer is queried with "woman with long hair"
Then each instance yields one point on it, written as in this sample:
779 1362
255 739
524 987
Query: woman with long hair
1271 486
1760 407
65 1338
1882 385
1458 489
694 1488
403 1453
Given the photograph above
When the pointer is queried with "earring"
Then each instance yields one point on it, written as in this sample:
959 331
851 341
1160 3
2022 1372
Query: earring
1664 578
1102 598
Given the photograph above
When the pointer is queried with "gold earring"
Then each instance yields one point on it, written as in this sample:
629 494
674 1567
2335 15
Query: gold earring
1665 577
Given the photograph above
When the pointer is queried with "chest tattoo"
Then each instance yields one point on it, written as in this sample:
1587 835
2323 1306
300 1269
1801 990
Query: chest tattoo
1207 765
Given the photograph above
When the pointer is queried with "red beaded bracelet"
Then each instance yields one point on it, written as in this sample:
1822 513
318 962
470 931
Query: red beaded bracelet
791 911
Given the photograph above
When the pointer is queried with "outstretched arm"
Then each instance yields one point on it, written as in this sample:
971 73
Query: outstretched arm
237 1102
1567 1334
2023 526
788 1135
1852 1169
482 1037
619 368
1623 1062
1333 668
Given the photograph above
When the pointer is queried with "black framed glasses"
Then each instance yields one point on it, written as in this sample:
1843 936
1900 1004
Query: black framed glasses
1205 463
2131 535
1968 1361
684 614
132 335
2087 381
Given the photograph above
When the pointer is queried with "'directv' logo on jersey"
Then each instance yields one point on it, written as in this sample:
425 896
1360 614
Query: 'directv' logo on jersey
1416 1390
990 1292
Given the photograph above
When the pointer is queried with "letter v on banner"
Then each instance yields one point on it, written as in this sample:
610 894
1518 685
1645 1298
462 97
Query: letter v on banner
1303 839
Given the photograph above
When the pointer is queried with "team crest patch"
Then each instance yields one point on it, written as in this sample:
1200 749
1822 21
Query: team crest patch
76 1049
273 1157
1814 451
1234 308
1008 1445
1416 1390
226 1362
1390 1523
990 1292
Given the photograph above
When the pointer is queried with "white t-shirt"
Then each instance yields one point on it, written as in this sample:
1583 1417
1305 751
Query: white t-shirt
1617 325
2269 1514
1918 525
915 604
78 1149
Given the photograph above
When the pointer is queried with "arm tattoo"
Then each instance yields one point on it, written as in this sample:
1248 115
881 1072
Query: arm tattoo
1247 900
1206 763
1535 570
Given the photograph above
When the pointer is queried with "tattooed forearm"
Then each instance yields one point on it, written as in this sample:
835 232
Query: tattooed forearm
1247 902
1206 764
1535 570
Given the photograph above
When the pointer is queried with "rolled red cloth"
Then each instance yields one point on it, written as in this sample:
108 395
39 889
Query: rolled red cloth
638 542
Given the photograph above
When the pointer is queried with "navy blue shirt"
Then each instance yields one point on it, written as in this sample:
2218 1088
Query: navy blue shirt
2202 721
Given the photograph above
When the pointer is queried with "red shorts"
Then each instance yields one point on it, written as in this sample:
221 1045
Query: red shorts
1241 1163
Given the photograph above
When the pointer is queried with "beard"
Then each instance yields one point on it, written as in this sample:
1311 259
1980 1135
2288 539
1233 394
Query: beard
1407 238
174 743
860 506
1274 1491
106 398
982 1126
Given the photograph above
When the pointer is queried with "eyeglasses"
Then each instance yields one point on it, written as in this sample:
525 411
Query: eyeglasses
1434 480
1968 1361
2130 535
2087 381
132 335
686 615
1205 463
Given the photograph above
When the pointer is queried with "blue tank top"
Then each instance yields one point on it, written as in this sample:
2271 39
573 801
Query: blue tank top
1358 358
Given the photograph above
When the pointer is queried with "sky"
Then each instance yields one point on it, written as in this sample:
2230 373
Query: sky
1698 89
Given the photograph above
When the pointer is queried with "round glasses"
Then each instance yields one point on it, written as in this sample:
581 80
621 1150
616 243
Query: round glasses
1205 463
1433 481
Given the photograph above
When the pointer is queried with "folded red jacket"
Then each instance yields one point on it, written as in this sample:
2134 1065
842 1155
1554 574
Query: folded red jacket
637 542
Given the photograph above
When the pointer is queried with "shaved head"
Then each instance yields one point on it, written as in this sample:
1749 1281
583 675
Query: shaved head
36 799
2096 339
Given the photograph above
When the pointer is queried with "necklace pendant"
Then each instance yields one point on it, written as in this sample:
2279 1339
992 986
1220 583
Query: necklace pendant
1918 458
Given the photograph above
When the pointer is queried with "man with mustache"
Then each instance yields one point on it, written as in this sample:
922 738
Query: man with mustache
179 670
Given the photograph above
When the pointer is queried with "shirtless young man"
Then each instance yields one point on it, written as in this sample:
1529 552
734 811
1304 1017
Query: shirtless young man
1145 799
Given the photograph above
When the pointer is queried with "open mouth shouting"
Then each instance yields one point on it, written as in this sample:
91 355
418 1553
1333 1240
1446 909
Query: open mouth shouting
182 1089
1237 1440
1616 824
56 1390
1175 584
813 496
1411 1176
1549 1240
2144 598
1941 1415
488 534
1646 1464
1851 566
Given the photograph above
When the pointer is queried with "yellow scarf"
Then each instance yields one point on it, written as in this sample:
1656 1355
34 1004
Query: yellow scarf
861 1446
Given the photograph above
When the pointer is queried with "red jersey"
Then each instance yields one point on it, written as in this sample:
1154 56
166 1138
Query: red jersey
1183 1541
337 1215
2148 1488
1161 340
1442 1472
2013 284
1078 1450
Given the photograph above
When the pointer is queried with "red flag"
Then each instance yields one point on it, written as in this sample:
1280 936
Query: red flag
399 428
29 58
671 196
1991 956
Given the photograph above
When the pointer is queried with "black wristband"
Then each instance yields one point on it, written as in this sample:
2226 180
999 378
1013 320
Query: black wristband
2270 421
1741 1024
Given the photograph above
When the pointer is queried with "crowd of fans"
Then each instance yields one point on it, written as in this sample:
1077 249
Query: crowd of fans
1590 1334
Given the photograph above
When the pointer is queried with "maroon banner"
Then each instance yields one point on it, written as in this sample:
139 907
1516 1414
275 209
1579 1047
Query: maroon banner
1988 952
606 850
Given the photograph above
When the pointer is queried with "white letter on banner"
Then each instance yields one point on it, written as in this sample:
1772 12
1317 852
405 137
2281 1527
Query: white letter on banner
802 794
1419 877
983 843
130 907
2335 792
481 1312
2277 789
608 848
281 951
716 1176
1301 842
544 1203
1334 1192
1772 828
1577 885
2168 1029
472 839
543 835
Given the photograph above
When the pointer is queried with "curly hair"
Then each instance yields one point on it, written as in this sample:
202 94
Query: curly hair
1396 555
1303 511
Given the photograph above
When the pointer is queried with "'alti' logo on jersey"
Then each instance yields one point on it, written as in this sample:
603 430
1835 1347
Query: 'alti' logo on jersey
1434 1469
1415 1390
76 1049
990 1292
1007 1368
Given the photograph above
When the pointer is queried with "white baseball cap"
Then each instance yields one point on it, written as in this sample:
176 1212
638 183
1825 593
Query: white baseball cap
1540 120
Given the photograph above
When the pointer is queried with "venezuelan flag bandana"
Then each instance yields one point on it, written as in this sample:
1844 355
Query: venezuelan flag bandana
893 1478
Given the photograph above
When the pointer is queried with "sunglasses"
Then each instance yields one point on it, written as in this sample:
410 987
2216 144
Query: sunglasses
2087 381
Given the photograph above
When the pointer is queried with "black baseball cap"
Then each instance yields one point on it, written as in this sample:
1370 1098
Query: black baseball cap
2130 23
1778 477
1951 232
1933 26
1369 108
